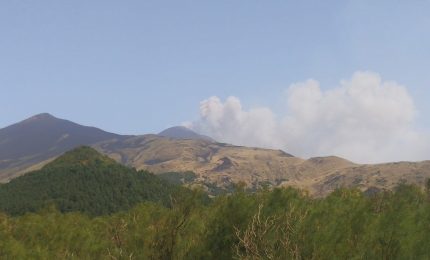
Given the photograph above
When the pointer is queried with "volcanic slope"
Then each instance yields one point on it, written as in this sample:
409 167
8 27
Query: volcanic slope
35 141
222 164
214 164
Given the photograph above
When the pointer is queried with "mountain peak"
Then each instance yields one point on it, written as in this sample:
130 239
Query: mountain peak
42 137
38 117
182 132
43 115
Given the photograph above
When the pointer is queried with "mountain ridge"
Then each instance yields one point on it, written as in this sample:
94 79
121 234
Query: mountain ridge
182 132
219 164
40 138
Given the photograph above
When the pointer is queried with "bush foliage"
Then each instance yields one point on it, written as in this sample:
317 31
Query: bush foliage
277 224
85 206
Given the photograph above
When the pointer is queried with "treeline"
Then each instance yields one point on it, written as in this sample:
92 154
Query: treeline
276 224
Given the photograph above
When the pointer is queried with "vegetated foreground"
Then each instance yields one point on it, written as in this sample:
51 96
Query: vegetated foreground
276 224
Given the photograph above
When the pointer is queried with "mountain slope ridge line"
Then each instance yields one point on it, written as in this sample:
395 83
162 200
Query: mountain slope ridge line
213 163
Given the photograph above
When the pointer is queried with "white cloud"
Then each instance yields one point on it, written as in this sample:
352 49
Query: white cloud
364 119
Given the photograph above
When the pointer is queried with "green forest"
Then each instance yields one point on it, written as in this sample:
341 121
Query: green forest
86 181
84 205
276 224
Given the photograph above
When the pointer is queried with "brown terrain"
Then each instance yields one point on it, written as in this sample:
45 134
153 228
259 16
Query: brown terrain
213 163
223 164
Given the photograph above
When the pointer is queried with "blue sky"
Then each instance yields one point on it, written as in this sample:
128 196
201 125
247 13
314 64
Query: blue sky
140 66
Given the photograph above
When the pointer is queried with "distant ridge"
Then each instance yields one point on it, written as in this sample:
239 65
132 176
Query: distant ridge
34 142
42 137
182 132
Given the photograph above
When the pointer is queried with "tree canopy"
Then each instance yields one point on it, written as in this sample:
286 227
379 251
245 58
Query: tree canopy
86 181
